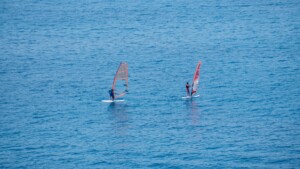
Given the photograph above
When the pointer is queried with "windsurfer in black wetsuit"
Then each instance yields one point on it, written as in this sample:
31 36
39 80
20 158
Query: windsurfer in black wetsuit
187 86
111 94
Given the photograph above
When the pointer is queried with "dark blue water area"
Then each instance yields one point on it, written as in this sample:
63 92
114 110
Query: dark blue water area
58 60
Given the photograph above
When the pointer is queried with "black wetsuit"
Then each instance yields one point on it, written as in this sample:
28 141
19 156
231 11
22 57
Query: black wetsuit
112 94
187 89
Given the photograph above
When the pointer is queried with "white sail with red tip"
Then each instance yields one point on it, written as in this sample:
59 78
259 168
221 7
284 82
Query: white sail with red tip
196 78
120 83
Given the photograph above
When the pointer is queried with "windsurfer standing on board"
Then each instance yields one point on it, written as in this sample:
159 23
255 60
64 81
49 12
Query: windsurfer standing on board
112 94
187 86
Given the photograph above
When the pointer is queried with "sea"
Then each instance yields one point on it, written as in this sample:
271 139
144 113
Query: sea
58 60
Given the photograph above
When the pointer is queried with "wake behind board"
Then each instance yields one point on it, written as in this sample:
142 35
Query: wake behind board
112 101
190 97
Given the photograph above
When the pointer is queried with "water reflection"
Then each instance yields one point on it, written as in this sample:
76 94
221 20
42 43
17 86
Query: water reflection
118 117
194 112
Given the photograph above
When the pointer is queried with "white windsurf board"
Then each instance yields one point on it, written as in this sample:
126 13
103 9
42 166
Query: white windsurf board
190 97
112 101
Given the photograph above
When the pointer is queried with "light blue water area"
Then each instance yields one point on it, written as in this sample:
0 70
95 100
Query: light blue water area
58 60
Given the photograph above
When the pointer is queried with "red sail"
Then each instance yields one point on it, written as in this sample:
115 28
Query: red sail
120 84
196 78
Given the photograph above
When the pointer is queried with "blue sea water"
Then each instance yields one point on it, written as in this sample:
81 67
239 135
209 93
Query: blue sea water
58 60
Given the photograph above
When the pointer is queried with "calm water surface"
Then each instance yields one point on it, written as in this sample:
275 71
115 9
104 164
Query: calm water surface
58 59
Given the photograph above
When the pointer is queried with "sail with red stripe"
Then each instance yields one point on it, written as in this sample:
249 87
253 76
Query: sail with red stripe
120 84
196 78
